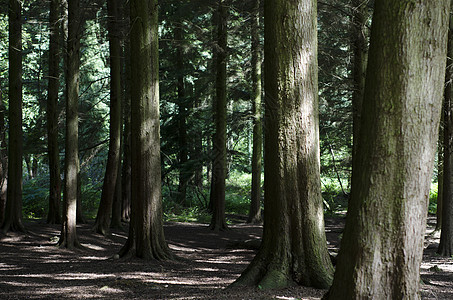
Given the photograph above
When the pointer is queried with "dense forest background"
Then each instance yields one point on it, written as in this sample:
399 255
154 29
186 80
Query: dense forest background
192 21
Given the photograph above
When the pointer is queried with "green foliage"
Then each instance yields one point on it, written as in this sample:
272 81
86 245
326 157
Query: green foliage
35 199
432 208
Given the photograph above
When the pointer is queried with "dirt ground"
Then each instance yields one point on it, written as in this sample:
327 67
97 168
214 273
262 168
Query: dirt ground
32 267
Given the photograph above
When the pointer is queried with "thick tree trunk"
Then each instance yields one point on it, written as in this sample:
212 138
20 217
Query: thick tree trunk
68 237
54 215
13 210
446 234
103 218
146 234
294 247
184 174
382 243
255 201
217 198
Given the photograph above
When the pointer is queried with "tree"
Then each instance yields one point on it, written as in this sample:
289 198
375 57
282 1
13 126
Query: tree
255 201
382 243
217 199
54 214
13 210
68 237
3 160
446 233
294 247
146 233
102 223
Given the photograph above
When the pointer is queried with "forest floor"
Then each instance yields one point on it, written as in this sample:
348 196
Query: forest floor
32 267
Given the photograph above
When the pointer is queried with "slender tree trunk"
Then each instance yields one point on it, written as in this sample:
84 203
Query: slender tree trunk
294 247
68 237
255 203
184 175
382 244
146 233
54 215
198 147
103 218
3 160
13 210
217 198
446 234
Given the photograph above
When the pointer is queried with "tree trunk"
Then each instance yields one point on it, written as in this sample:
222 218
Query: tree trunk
446 234
68 237
13 210
146 233
294 247
54 215
440 170
184 174
217 197
3 160
103 218
382 245
255 203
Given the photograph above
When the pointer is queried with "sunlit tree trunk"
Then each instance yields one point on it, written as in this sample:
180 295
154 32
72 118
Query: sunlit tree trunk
68 237
146 233
255 201
446 234
382 245
294 247
217 196
103 218
13 210
54 214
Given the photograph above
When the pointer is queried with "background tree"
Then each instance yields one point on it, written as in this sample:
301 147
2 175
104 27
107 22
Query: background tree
146 234
217 199
294 247
54 214
446 234
382 244
13 211
68 237
255 200
102 223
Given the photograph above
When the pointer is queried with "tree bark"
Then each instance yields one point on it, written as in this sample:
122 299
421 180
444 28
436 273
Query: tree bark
446 233
13 210
255 200
217 196
294 247
68 237
3 160
103 218
54 215
146 233
382 245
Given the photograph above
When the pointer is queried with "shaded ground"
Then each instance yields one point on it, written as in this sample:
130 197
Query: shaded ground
32 267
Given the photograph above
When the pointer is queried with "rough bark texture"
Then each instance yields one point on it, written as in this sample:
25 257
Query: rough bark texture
103 218
68 237
54 215
294 248
360 53
446 234
13 210
146 235
255 201
382 243
184 174
217 196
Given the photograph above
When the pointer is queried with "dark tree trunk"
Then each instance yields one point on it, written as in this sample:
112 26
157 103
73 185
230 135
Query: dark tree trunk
440 177
103 218
255 203
13 210
54 215
382 244
217 198
446 234
3 160
294 247
68 237
184 174
146 233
